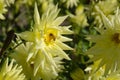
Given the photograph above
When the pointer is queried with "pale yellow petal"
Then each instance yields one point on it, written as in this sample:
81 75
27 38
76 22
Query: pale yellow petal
27 35
66 30
59 20
36 15
64 39
62 45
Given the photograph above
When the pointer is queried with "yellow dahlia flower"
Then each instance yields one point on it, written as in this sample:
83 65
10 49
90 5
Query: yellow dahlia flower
79 18
21 55
47 48
11 71
107 7
38 65
70 3
45 4
107 43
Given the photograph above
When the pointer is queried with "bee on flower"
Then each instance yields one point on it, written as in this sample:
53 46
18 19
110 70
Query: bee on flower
46 43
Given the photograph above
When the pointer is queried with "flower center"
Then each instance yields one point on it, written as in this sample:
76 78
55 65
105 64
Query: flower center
50 36
116 38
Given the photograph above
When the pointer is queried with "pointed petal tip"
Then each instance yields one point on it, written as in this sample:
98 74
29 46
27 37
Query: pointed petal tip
36 14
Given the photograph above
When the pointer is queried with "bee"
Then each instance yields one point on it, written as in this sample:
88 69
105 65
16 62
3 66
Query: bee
51 37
